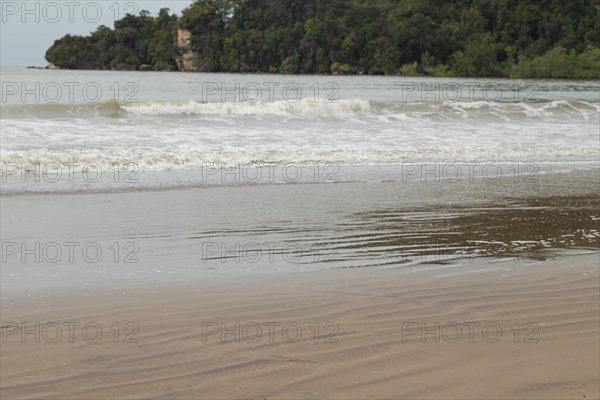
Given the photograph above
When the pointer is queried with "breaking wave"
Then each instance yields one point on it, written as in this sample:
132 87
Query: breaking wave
303 108
558 110
165 159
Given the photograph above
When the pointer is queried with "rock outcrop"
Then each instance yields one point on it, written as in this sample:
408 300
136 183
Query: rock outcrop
185 56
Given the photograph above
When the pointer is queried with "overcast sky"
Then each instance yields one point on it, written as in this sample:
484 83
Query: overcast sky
29 28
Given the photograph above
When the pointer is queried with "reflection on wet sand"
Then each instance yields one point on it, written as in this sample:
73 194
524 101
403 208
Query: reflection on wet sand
521 229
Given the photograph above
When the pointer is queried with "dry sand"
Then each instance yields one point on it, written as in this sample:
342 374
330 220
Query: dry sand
376 352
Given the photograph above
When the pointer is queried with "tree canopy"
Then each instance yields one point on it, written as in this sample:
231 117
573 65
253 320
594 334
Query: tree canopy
515 38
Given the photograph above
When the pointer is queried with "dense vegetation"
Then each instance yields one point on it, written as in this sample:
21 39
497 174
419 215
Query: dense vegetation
136 42
517 38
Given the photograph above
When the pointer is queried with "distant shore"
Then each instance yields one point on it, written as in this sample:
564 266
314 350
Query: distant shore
31 67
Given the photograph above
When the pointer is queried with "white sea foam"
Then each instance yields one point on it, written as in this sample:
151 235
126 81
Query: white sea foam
307 108
369 125
193 159
302 108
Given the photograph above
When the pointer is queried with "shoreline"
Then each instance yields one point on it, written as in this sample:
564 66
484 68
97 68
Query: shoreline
320 75
393 174
100 239
435 269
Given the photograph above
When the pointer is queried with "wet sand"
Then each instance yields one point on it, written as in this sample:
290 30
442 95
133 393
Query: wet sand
377 336
226 233
402 306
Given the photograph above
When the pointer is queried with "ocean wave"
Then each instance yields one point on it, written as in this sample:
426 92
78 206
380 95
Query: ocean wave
106 109
303 108
557 110
185 159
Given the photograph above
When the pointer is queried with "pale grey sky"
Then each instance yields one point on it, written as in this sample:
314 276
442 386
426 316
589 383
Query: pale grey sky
28 28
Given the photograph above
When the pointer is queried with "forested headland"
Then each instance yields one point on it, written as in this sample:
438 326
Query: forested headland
484 38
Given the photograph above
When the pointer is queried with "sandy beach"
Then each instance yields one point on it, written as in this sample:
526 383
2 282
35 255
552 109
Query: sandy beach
506 330
481 295
373 247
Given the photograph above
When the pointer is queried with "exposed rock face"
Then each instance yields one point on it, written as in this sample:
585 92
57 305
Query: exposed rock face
185 56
